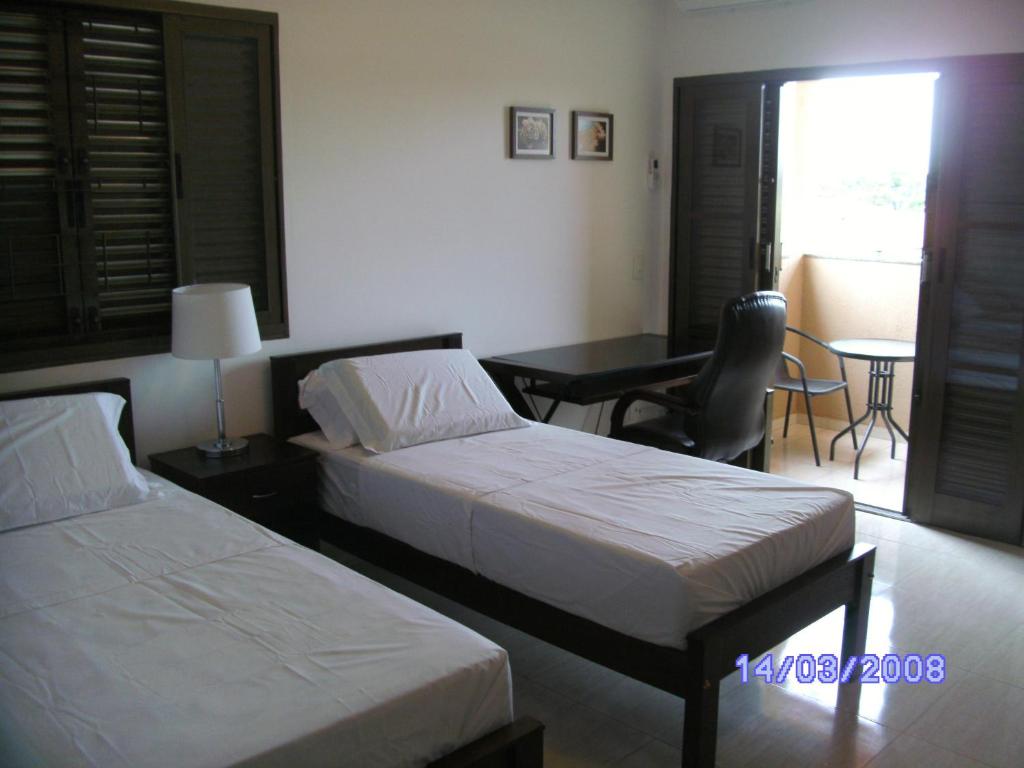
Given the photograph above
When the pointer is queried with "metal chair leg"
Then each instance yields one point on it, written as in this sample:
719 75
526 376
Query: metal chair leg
849 415
810 423
789 405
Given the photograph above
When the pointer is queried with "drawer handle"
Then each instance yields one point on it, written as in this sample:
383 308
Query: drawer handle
270 495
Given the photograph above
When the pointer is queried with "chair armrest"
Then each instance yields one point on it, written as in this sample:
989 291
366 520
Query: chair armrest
658 398
798 363
809 337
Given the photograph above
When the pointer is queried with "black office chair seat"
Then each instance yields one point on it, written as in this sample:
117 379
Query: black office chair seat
667 432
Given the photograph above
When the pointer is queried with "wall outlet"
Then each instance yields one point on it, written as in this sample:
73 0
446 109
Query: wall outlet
638 267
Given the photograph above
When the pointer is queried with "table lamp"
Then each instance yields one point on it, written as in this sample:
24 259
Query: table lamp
212 321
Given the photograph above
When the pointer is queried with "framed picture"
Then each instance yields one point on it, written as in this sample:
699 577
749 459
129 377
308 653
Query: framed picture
591 136
726 147
531 133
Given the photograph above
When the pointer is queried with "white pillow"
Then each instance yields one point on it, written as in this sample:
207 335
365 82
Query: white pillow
316 397
61 457
409 398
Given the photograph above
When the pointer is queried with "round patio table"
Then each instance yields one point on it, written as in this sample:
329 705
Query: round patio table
882 355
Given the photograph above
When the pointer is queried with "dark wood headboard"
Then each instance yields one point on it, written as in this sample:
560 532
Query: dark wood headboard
122 387
287 370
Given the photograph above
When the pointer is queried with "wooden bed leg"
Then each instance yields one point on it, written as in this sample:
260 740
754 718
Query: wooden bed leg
855 630
855 623
700 725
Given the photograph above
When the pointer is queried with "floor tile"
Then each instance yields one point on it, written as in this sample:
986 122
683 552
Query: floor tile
909 752
653 754
763 726
1003 658
979 718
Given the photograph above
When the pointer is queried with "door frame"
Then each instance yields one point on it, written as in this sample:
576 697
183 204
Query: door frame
943 65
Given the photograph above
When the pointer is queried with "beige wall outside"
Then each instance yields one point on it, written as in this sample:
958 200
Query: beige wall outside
844 298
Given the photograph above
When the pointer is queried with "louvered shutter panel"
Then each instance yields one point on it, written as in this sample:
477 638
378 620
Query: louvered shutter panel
716 213
39 284
966 464
123 166
223 93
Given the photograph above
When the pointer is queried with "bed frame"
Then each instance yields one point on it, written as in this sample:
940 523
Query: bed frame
520 744
711 651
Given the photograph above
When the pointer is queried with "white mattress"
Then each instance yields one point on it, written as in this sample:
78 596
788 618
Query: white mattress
650 543
174 632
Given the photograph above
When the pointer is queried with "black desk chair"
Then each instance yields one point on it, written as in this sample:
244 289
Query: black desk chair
810 388
720 414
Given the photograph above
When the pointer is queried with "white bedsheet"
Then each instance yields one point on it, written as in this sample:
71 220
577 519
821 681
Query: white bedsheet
174 632
650 543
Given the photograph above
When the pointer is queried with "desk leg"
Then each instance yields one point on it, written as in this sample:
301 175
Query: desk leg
507 386
551 410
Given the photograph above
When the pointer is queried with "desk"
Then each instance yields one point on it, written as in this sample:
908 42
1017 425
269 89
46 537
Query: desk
882 354
594 372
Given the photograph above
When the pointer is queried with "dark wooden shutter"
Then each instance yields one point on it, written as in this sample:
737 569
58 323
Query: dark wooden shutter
223 94
122 165
724 175
966 461
39 280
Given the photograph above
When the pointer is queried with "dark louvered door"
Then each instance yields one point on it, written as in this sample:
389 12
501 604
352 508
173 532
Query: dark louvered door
724 202
123 171
220 75
40 292
966 461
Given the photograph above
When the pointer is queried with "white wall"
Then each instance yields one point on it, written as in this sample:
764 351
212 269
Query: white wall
403 215
804 33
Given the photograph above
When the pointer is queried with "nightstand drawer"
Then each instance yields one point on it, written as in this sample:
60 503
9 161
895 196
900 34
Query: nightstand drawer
282 498
273 484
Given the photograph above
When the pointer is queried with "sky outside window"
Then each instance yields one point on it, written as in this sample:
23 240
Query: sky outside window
854 165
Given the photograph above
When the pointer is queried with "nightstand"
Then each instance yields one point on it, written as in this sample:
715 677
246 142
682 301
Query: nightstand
273 483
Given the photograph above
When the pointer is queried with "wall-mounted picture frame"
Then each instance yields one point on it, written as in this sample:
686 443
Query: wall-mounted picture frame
726 147
531 133
592 135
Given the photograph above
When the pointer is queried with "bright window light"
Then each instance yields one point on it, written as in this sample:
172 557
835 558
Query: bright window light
854 166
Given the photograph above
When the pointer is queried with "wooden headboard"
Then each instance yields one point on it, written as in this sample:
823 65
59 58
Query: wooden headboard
287 370
122 387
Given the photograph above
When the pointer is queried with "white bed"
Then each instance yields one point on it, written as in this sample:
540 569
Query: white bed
648 543
174 632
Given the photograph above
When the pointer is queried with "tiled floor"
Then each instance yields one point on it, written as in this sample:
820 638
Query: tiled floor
934 592
881 477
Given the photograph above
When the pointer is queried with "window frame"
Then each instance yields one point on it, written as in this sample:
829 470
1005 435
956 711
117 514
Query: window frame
63 349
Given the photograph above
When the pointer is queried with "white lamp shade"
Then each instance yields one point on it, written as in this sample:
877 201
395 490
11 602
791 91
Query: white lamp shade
212 321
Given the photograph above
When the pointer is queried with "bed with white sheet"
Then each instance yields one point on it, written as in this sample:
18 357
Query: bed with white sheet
663 567
639 540
171 631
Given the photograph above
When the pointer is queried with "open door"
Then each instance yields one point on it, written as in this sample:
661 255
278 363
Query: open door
965 467
723 222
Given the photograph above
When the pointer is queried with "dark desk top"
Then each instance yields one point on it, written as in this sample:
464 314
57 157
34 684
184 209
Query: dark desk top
594 358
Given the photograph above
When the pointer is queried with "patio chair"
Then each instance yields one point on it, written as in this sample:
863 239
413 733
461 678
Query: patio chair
811 388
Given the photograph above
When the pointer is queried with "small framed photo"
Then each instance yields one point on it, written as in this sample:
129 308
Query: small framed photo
726 147
591 136
531 133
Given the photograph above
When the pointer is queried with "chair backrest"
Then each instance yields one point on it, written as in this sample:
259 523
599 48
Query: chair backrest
729 391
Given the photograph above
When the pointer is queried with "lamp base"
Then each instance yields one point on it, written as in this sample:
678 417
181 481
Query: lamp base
215 449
